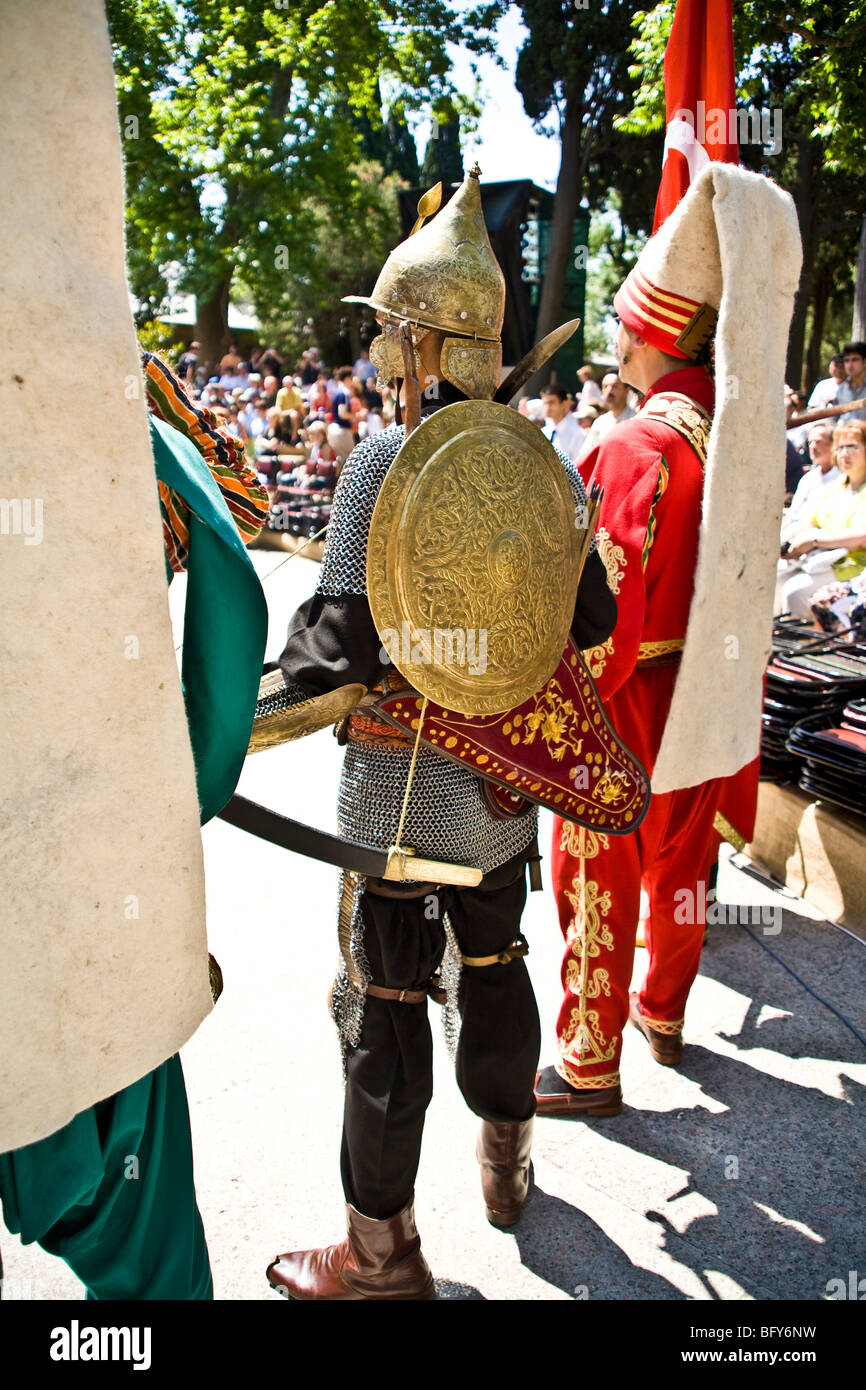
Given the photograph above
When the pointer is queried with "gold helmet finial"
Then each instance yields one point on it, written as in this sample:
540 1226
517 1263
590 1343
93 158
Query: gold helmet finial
475 172
445 275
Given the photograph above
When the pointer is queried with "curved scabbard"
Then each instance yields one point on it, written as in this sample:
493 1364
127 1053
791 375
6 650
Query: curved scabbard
398 865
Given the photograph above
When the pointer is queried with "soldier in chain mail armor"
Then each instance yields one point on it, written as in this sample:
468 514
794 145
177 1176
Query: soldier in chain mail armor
445 282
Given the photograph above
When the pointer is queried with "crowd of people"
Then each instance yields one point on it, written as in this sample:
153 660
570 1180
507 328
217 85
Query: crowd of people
822 567
272 411
298 427
576 424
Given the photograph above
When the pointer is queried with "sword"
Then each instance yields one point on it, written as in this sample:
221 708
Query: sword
397 864
534 360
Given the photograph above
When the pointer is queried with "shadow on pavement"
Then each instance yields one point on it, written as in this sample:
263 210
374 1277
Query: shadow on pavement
566 1248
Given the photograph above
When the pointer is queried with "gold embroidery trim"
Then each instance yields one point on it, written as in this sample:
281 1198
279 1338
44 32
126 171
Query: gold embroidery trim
662 1025
590 1083
683 415
596 657
613 558
723 827
647 650
580 842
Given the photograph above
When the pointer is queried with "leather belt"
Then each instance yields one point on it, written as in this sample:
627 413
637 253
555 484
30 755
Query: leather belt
408 996
518 948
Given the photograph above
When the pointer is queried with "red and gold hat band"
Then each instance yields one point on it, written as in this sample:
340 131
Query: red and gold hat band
671 322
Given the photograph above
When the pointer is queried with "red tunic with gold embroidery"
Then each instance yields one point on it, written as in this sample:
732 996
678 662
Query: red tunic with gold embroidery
648 529
648 532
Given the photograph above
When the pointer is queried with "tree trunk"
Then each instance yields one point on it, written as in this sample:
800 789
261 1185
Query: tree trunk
565 205
211 324
858 327
354 332
820 299
810 156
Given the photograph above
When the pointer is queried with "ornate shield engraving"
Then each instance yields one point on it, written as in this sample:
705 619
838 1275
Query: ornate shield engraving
472 558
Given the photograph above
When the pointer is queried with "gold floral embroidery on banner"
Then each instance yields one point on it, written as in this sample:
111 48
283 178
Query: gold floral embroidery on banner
580 842
555 719
612 788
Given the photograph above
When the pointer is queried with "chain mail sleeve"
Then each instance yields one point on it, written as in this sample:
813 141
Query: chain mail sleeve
332 640
595 607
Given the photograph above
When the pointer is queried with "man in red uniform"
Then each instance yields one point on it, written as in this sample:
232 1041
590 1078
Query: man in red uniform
652 471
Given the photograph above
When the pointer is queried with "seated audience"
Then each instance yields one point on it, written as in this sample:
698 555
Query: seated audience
832 543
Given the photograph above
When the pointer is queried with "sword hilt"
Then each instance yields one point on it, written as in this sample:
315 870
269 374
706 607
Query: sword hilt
404 866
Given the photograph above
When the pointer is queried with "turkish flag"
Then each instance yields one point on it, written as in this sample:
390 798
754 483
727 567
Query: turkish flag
700 98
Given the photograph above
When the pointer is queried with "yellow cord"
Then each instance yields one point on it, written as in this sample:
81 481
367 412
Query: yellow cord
411 775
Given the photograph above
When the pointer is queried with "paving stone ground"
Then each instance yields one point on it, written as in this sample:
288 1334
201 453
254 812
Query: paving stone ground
738 1175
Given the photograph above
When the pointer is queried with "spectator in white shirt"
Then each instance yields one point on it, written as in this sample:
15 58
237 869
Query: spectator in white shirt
825 392
614 394
562 428
820 475
822 472
590 391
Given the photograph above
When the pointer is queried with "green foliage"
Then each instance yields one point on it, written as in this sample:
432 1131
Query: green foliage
443 158
814 58
613 250
806 62
244 119
158 337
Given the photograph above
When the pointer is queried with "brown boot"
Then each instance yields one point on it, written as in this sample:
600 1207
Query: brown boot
555 1097
666 1048
377 1260
503 1152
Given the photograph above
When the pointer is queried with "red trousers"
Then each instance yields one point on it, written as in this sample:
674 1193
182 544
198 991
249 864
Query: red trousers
597 880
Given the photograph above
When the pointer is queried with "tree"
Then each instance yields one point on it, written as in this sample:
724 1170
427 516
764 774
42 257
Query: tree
807 68
613 250
237 135
575 66
443 158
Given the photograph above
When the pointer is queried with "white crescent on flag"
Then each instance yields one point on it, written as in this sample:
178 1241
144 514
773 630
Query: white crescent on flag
681 136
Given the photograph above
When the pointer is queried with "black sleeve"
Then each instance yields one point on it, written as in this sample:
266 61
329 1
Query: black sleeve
595 610
332 642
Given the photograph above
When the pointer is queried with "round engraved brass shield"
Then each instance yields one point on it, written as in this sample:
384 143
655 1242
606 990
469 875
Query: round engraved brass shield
472 558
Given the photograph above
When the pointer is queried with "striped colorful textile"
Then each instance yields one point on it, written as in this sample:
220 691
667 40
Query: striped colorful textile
245 497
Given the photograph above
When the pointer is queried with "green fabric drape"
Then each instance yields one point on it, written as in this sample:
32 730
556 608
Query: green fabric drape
225 624
112 1194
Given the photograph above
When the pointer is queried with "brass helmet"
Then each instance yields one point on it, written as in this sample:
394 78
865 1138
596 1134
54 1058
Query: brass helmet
444 276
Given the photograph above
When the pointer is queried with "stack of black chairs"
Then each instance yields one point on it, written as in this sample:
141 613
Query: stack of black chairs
814 721
302 508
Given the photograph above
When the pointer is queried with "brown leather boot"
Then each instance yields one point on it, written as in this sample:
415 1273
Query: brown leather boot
377 1260
503 1152
666 1048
